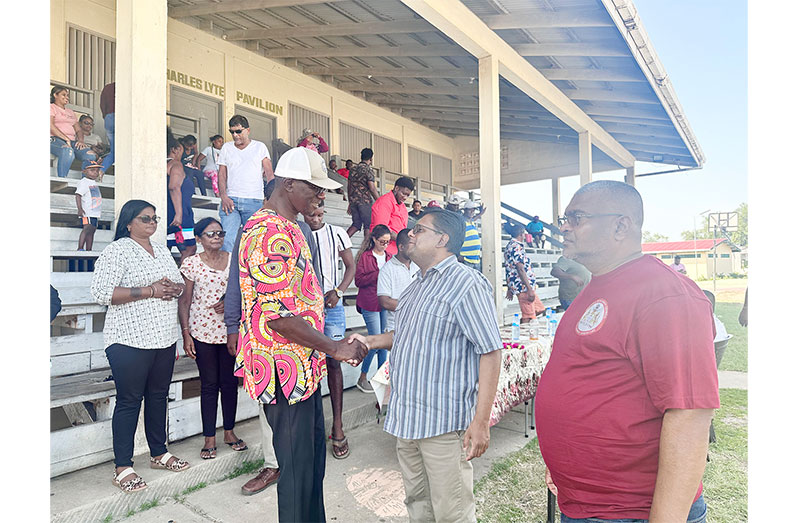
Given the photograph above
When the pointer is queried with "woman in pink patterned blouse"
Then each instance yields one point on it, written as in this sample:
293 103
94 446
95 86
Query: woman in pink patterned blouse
201 312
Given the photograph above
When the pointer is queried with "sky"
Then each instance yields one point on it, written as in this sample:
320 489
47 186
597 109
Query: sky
703 47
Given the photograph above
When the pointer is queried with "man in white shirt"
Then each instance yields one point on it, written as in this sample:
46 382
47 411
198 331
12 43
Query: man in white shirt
333 244
395 276
243 164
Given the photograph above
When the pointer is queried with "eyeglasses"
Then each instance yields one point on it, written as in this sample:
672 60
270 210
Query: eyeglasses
147 219
418 227
211 234
575 218
236 131
383 242
318 190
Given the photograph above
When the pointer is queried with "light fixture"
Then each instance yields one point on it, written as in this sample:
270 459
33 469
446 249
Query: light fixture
368 76
471 80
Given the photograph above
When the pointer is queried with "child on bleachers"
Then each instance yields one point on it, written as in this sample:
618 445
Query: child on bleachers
190 167
89 202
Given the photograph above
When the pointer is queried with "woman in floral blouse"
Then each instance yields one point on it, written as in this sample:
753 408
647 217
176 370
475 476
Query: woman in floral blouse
205 335
139 282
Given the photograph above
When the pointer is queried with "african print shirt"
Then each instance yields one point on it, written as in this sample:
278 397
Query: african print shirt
359 178
277 280
514 253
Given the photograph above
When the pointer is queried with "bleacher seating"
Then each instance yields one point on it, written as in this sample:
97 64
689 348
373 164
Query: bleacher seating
81 401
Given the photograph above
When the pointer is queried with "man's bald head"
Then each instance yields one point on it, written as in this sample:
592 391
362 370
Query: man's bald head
615 197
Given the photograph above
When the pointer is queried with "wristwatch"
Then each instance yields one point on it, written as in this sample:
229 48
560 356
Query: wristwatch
339 293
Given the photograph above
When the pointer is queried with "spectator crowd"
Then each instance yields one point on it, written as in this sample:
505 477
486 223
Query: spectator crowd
264 301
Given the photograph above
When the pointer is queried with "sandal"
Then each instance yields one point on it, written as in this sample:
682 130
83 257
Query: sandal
131 485
340 448
178 465
211 453
239 442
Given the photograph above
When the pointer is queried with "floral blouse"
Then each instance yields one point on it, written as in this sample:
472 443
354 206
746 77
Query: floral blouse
205 324
514 252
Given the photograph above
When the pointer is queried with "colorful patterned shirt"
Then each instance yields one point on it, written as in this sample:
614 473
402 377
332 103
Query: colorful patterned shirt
359 178
514 253
277 281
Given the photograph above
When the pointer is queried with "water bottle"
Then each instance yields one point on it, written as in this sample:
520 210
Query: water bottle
552 326
516 327
548 313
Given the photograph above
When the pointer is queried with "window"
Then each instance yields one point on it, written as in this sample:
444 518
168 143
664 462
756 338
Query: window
666 256
725 255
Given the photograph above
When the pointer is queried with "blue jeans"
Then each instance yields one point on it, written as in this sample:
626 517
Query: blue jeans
376 322
243 209
697 514
335 322
108 161
66 155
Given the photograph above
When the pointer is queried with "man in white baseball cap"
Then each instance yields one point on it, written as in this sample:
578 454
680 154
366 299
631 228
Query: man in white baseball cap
282 311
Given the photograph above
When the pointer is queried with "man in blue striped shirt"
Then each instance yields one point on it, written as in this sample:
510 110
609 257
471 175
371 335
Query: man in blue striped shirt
445 361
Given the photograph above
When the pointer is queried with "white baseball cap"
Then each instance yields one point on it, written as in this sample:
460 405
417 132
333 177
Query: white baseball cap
301 163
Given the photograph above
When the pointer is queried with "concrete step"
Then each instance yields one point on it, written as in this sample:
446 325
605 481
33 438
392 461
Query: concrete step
88 494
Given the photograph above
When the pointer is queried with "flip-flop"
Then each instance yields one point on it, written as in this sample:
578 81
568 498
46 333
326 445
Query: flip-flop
211 451
340 445
239 442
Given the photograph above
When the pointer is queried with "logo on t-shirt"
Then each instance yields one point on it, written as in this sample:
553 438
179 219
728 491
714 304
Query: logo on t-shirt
593 318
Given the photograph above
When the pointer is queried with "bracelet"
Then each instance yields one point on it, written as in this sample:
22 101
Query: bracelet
186 328
181 292
153 291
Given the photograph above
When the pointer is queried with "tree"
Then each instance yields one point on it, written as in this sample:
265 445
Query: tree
653 237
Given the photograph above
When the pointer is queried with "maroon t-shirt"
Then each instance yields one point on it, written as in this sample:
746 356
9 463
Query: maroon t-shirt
635 342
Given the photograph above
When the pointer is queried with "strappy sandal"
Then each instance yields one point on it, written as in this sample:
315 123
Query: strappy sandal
239 442
131 485
340 448
178 465
211 453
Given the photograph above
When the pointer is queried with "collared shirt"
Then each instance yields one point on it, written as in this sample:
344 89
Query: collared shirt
277 280
515 252
358 186
445 320
150 323
471 250
387 211
394 278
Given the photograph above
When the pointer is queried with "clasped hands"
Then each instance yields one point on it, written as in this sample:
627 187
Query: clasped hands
166 290
352 350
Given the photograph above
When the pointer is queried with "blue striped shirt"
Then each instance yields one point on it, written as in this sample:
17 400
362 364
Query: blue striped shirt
444 321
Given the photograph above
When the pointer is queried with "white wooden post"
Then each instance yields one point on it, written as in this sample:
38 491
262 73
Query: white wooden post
585 158
490 176
140 130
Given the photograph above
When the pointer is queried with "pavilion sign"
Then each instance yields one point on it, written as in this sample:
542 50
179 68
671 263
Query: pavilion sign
254 101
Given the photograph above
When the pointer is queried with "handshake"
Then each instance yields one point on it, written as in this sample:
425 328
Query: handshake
351 350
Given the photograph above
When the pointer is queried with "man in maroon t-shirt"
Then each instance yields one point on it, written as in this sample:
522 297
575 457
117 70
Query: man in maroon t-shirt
624 404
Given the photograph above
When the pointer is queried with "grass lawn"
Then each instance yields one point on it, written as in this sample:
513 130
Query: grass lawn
514 490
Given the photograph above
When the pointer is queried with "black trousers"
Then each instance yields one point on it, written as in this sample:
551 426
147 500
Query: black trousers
198 177
139 374
216 375
301 453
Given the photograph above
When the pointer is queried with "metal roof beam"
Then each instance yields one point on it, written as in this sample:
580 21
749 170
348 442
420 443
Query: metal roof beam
372 50
228 6
310 31
596 75
545 19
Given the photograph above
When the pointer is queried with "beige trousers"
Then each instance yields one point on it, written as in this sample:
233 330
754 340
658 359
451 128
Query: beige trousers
439 482
269 458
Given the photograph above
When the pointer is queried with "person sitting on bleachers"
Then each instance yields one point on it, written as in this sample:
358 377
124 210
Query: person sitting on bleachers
89 202
211 155
190 155
535 228
86 135
63 133
313 141
344 171
179 214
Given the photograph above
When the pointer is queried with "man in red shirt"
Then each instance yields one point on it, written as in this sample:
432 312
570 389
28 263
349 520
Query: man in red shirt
390 210
624 404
